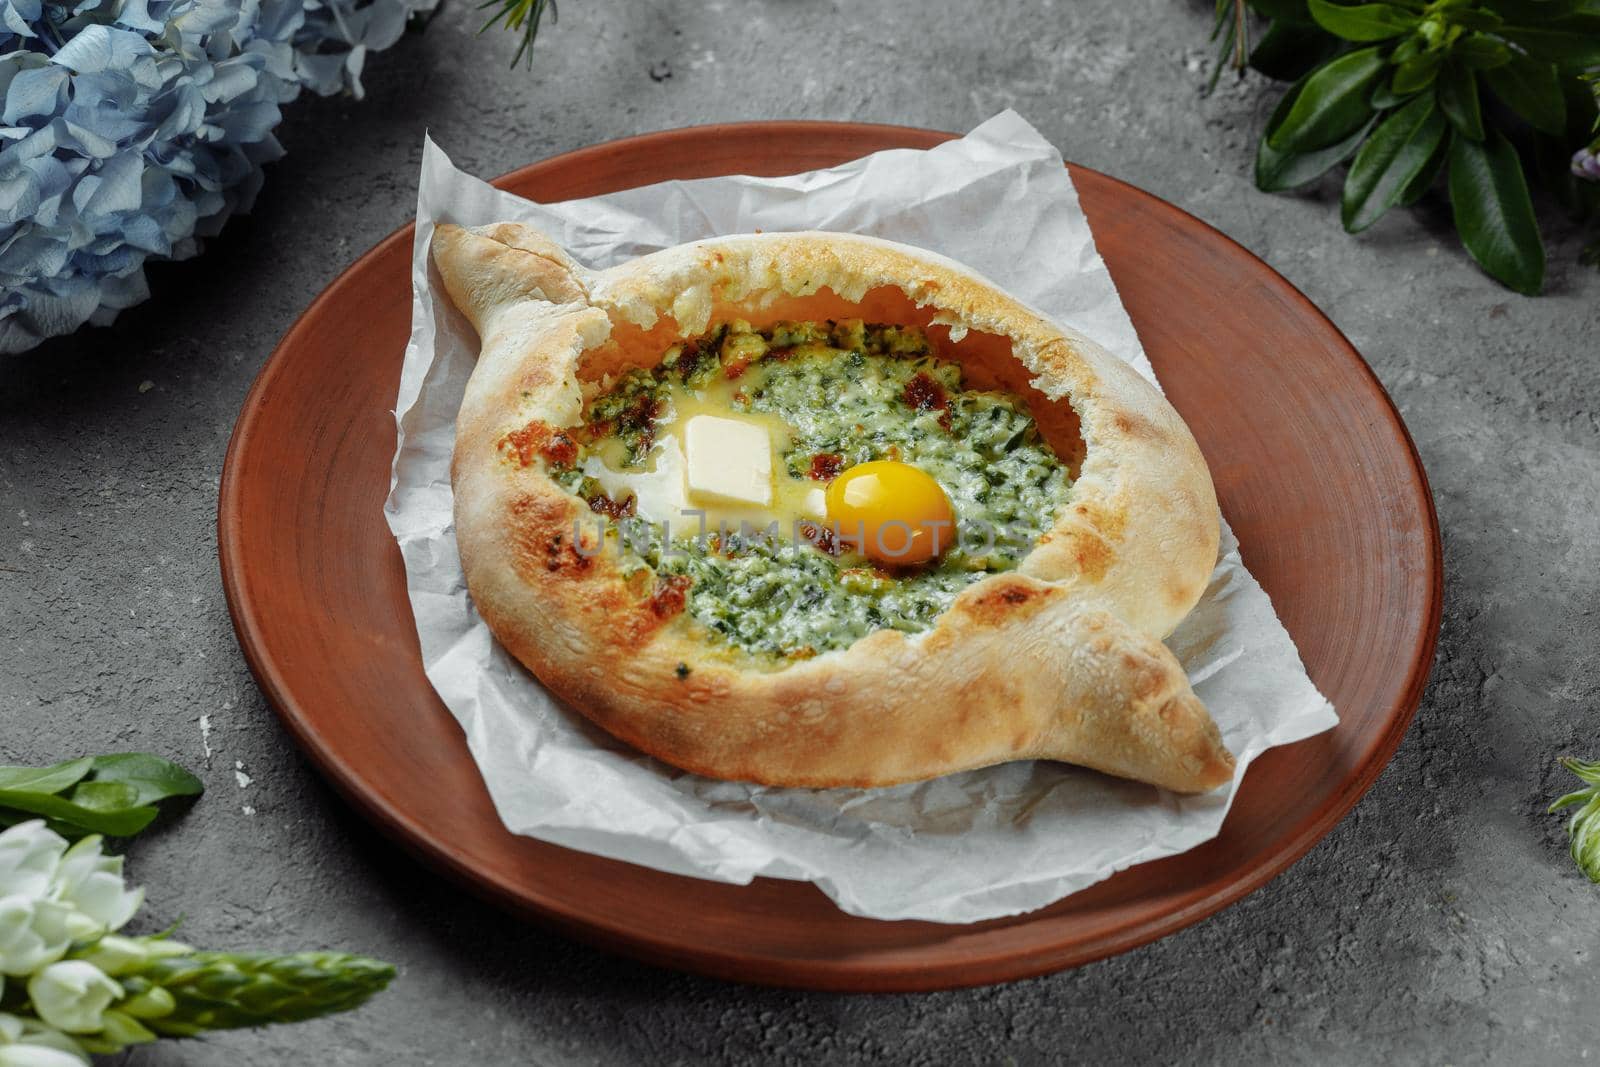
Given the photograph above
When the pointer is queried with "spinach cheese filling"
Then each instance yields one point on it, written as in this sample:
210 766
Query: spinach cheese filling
777 580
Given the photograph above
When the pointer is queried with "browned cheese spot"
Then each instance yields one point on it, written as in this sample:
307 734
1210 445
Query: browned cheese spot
540 439
1137 426
541 537
1006 601
670 596
1091 554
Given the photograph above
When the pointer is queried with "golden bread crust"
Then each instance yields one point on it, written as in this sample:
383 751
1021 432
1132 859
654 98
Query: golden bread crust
1060 659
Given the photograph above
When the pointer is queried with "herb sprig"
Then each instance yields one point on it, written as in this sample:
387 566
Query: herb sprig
1483 91
1584 827
520 16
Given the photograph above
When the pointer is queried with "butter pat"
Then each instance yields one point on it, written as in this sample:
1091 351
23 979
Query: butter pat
729 460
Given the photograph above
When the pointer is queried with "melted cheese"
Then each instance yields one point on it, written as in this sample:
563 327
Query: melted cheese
668 489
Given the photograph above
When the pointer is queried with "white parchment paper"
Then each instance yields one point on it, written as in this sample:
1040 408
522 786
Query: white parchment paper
958 849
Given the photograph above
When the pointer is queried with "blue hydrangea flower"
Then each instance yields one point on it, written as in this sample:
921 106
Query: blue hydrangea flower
135 128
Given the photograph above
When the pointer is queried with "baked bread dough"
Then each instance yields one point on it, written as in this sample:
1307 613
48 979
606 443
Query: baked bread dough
1058 659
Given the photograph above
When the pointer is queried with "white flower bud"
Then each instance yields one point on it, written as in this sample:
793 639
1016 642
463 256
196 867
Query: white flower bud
34 932
92 882
117 955
73 996
39 1056
29 856
29 1043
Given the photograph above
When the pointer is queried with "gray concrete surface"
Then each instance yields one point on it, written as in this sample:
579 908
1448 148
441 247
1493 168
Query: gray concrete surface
1440 923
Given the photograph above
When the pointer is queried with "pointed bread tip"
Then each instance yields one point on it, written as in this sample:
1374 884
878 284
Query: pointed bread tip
491 267
1203 762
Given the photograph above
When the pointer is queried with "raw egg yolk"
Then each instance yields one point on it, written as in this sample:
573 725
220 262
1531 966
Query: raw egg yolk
891 512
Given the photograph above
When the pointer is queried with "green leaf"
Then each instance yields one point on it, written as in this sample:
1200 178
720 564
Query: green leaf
1289 48
105 797
151 776
1396 152
1384 97
522 17
1476 20
1572 42
1587 770
1481 52
52 779
1416 73
1423 181
88 817
1230 20
1533 90
110 794
1334 101
1363 22
1458 99
1532 12
1277 171
1221 10
1583 829
1493 212
1282 9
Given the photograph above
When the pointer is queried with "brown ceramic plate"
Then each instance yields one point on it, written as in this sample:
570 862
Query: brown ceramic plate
1312 463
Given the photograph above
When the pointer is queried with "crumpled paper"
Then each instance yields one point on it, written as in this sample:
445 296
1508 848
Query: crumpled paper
958 849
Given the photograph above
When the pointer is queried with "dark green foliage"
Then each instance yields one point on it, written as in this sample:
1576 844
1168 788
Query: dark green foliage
1401 89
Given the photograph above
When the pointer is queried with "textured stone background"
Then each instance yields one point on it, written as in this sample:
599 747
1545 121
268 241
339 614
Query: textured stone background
1440 923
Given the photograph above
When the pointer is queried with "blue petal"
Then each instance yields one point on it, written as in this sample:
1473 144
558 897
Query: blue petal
145 132
83 140
251 122
34 93
119 292
323 75
233 78
207 16
115 188
47 314
178 113
19 16
135 14
19 195
145 233
33 255
98 48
